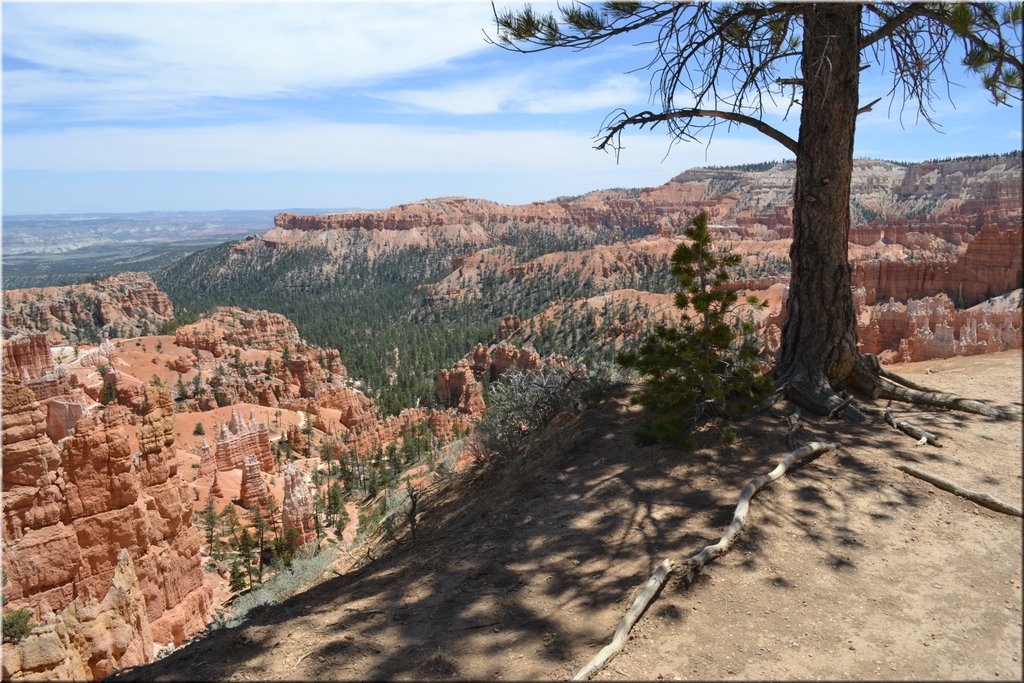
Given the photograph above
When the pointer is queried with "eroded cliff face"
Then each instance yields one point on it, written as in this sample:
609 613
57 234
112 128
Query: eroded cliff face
292 375
91 519
89 638
27 356
933 327
989 265
126 305
231 326
944 192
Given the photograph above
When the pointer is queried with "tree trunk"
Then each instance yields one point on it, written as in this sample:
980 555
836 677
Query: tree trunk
819 338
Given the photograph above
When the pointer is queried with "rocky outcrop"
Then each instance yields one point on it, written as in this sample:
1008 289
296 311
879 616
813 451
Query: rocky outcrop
32 499
27 356
297 508
239 438
459 388
254 489
69 520
990 265
121 389
933 328
508 325
62 414
125 305
28 361
88 639
296 438
207 458
505 356
244 328
357 410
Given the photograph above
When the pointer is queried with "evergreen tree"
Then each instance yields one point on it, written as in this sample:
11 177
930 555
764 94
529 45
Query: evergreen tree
708 365
238 576
720 63
246 545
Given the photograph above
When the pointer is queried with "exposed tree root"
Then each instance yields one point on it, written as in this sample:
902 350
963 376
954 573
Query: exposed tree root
912 430
870 378
910 384
840 410
695 563
820 399
982 499
708 554
891 390
650 589
767 402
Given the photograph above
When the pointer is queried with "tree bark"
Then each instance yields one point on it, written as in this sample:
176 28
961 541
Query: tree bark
819 353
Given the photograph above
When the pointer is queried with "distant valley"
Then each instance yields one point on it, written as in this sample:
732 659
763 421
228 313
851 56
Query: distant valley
54 249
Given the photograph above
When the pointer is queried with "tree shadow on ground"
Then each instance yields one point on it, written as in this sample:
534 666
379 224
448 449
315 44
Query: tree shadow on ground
530 574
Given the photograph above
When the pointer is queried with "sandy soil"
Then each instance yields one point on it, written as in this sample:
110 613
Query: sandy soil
847 569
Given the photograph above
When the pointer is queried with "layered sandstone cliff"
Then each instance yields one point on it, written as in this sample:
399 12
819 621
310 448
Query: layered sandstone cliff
989 265
934 328
70 516
742 197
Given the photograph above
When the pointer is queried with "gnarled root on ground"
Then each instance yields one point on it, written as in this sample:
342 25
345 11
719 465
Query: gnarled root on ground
982 499
912 430
870 378
694 564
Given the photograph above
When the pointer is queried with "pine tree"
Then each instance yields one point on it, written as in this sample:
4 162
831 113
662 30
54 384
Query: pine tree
237 577
708 365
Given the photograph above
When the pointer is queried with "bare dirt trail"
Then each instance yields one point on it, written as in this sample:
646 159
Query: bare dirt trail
855 570
847 569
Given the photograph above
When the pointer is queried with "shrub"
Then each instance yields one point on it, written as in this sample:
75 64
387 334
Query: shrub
17 624
709 364
199 430
522 404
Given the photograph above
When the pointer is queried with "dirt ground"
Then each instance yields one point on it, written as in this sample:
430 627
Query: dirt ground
847 569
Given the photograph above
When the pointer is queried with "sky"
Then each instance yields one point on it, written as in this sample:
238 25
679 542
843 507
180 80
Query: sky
122 107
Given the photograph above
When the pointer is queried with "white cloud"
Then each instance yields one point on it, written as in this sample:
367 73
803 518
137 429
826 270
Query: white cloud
527 92
109 56
333 147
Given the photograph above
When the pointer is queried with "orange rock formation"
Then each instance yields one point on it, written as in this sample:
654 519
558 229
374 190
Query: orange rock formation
129 302
69 519
254 489
297 508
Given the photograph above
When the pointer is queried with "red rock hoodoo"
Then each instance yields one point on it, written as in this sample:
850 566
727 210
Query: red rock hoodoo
94 520
239 438
254 489
297 508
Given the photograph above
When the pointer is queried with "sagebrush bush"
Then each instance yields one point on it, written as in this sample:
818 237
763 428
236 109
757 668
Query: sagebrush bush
522 404
709 364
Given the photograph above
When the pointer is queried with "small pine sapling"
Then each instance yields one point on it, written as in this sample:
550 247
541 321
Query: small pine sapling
708 365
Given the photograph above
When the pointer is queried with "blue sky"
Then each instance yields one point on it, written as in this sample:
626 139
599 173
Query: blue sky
146 106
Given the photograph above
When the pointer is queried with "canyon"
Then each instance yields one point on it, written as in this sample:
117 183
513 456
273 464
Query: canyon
118 439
